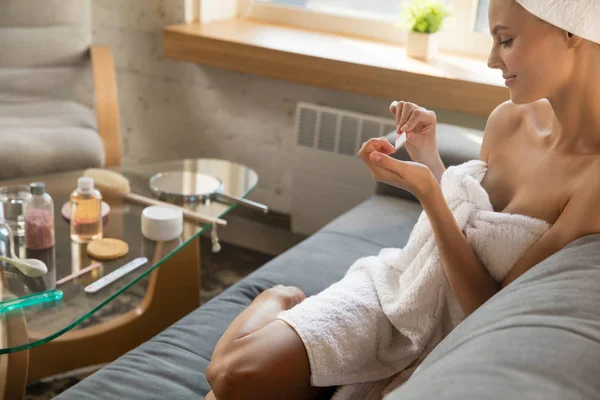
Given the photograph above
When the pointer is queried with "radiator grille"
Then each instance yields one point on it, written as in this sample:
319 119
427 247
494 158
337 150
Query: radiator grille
338 131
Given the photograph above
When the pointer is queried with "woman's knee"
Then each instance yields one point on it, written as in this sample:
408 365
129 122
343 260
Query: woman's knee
229 378
268 364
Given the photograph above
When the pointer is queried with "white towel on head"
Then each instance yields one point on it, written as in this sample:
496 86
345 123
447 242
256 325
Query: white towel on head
580 17
373 328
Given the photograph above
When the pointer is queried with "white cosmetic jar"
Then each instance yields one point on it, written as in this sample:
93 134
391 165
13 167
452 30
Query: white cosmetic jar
162 223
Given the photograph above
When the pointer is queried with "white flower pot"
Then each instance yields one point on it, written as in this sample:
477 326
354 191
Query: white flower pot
422 45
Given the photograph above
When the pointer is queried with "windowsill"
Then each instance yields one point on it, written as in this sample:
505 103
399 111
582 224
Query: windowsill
380 69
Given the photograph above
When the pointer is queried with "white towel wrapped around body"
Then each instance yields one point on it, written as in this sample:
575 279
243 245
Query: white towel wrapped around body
372 329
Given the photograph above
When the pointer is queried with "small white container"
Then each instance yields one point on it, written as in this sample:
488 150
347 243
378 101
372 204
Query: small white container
162 223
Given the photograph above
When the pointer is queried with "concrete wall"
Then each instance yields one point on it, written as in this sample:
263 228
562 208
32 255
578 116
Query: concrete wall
173 110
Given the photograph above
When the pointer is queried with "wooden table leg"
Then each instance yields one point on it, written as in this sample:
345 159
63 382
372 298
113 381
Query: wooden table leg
13 366
173 292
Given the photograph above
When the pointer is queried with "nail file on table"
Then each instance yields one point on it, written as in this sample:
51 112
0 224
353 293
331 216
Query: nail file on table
400 140
116 274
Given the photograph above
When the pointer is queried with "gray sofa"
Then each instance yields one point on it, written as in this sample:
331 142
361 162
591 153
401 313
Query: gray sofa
539 338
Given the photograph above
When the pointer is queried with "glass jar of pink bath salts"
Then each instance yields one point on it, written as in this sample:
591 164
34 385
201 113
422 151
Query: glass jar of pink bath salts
39 218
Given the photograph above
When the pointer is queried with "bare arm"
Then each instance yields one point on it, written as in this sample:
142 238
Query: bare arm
468 277
436 165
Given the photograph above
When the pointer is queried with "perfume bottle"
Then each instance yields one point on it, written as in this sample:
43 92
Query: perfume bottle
39 218
86 207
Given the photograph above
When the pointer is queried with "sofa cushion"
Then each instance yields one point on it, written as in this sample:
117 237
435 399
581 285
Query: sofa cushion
45 137
382 220
539 338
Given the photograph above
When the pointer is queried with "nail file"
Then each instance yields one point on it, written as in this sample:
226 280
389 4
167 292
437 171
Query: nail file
400 140
116 274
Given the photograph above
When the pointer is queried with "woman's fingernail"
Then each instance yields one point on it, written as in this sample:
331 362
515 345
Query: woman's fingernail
404 128
377 157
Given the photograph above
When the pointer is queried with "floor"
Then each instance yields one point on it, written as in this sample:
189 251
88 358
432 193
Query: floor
219 271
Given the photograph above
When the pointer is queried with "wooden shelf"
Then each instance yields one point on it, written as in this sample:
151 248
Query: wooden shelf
339 62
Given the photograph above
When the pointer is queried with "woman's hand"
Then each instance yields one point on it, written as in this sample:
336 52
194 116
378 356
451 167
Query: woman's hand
420 127
413 177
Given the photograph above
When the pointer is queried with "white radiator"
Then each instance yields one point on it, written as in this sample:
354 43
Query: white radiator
328 178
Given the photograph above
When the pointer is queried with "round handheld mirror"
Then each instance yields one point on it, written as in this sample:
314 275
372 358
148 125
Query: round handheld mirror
192 187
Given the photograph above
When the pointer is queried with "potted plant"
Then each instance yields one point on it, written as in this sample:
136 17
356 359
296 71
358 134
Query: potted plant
424 19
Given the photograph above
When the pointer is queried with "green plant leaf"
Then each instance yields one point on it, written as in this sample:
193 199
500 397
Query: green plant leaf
425 16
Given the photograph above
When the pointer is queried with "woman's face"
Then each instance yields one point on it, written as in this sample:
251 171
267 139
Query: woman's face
532 55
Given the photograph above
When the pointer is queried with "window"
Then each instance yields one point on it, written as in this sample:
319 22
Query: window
372 9
466 31
482 23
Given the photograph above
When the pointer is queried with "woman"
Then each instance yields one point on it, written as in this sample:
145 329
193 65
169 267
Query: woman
541 152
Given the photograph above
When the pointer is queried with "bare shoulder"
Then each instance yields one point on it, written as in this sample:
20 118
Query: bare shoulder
503 122
588 192
581 216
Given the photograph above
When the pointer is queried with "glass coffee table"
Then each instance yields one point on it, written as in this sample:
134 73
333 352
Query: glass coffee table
51 336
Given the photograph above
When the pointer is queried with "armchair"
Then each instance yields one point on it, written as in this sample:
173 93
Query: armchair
58 94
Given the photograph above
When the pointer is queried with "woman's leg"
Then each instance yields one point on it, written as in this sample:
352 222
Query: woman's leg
260 357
